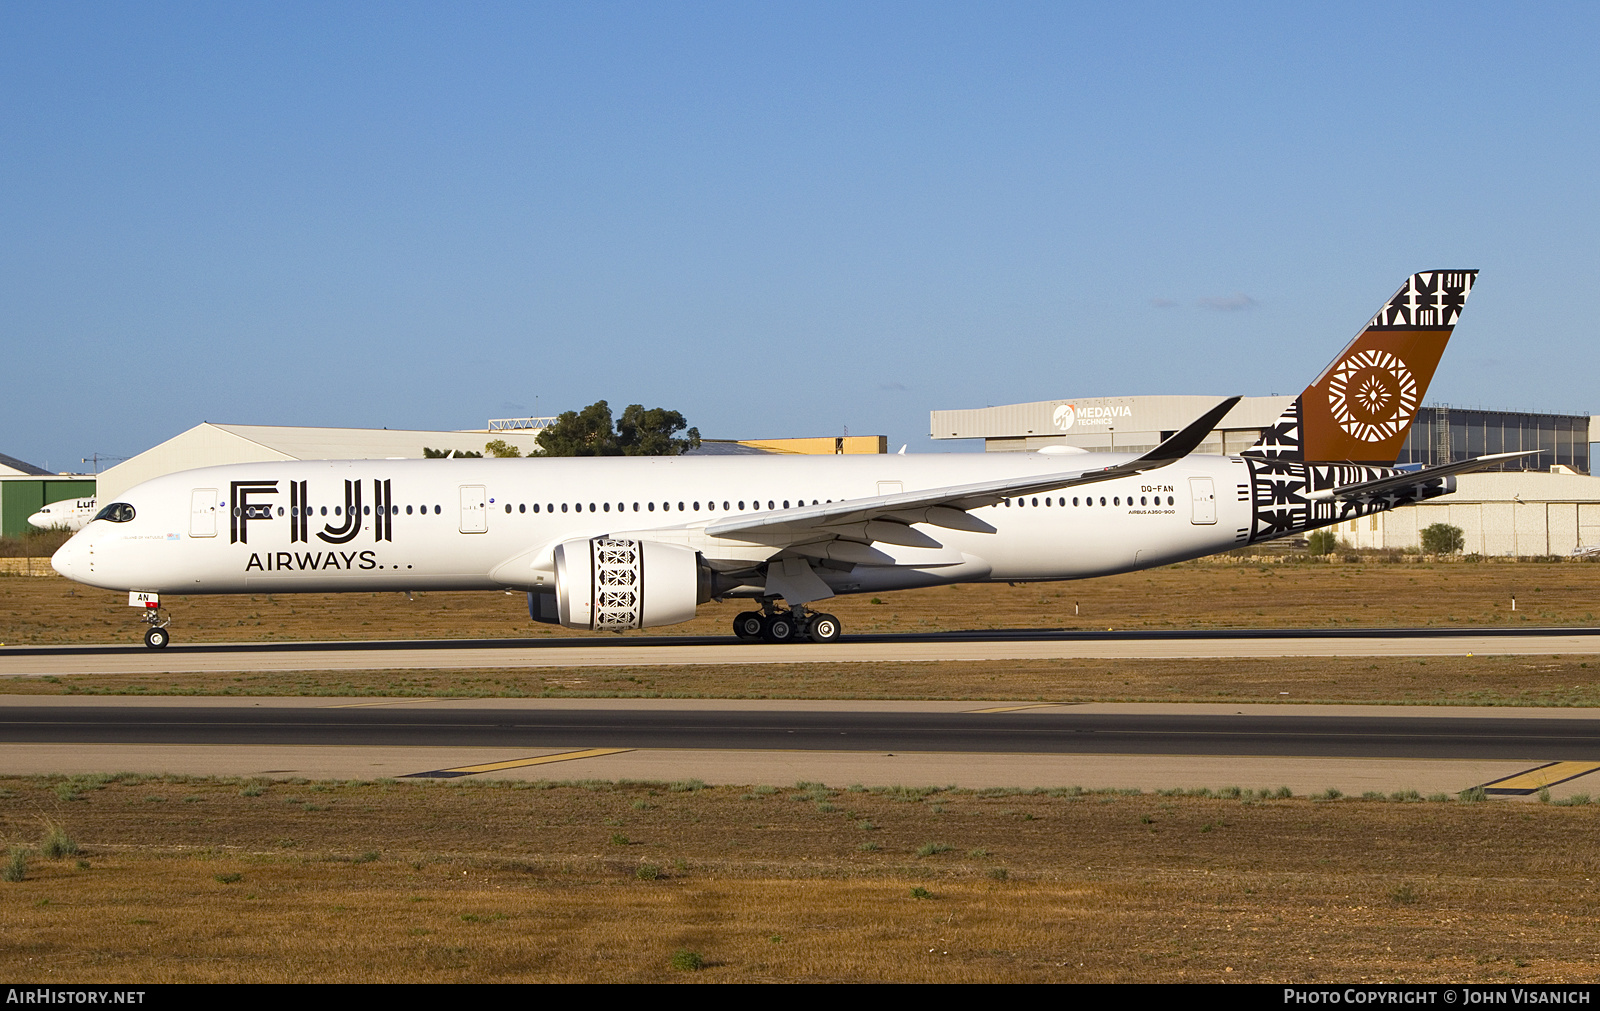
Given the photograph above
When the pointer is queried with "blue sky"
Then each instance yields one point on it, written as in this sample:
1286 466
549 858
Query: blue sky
780 219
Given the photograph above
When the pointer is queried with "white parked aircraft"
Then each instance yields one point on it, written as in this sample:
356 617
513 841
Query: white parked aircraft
635 542
71 513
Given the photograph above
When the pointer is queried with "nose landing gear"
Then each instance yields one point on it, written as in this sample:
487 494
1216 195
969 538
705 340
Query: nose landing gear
156 636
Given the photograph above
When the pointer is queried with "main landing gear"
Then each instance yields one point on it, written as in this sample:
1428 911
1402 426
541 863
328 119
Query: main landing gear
797 624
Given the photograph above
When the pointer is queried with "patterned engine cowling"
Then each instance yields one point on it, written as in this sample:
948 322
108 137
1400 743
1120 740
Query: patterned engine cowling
611 584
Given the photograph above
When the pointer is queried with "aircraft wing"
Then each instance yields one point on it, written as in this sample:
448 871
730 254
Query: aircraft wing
1400 482
888 517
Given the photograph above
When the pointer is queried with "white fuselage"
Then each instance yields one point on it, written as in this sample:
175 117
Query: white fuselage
482 524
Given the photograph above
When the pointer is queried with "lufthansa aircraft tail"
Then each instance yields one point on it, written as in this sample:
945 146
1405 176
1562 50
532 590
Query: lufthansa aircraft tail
1360 408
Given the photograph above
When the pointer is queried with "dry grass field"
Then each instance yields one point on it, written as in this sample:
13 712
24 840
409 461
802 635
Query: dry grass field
1453 680
206 880
1226 593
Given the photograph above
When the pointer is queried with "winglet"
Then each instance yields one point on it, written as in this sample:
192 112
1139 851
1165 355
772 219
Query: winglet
1187 441
1173 449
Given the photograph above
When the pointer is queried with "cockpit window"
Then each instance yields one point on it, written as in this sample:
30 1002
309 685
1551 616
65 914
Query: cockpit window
116 512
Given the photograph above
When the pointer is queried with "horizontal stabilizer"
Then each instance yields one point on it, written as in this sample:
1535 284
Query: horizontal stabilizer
1400 482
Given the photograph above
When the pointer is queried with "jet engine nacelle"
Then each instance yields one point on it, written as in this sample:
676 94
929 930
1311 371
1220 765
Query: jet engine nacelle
610 583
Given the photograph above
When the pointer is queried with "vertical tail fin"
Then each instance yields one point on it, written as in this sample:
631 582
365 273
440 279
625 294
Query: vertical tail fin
1360 408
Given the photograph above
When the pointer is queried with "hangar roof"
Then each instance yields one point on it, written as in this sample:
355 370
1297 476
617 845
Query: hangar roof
10 466
208 445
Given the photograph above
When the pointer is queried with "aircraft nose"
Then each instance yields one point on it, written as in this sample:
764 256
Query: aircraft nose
69 558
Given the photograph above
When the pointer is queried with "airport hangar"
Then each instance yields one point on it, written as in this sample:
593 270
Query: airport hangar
25 489
1543 505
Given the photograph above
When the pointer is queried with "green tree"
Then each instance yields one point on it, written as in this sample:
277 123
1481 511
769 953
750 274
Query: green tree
581 433
639 432
1442 539
654 432
502 449
1322 542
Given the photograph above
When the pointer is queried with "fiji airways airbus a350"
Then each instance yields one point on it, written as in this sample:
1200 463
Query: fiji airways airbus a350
635 542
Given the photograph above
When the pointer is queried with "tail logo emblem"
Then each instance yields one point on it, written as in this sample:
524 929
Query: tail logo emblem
1373 395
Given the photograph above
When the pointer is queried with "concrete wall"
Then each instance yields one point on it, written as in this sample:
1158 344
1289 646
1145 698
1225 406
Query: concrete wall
1099 423
823 445
1499 514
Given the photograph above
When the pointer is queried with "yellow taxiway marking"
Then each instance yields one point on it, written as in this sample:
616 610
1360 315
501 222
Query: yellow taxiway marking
389 702
516 763
1018 709
1537 778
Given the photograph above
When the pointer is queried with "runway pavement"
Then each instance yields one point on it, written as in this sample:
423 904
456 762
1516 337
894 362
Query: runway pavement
667 651
1308 748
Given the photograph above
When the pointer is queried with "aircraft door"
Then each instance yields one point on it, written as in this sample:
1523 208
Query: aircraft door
474 509
1203 495
203 512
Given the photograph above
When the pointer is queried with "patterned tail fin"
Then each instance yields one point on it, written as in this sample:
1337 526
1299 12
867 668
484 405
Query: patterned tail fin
1359 409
